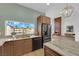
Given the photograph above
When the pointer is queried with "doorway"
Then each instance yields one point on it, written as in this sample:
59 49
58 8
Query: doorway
57 27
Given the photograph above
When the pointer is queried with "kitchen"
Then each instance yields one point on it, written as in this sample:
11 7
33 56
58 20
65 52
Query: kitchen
24 30
21 39
14 22
18 36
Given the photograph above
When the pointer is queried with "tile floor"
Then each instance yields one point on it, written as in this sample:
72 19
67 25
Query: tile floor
39 52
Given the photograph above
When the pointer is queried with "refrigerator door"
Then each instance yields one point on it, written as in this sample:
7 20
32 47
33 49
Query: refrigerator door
46 32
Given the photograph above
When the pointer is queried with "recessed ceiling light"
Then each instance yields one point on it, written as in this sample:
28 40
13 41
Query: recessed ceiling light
47 4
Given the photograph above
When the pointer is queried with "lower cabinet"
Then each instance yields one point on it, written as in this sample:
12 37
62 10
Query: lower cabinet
49 52
7 48
27 46
0 50
16 47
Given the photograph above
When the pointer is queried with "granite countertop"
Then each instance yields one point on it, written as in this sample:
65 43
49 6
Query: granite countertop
3 40
64 46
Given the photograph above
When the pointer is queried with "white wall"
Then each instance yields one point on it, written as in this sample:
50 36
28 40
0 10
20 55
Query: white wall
54 11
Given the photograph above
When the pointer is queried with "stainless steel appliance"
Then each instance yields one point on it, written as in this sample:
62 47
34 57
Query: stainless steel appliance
37 43
46 32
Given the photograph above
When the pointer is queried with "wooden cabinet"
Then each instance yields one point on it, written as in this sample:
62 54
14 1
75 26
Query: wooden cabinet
27 46
22 46
8 48
57 22
0 50
40 21
16 47
43 19
49 52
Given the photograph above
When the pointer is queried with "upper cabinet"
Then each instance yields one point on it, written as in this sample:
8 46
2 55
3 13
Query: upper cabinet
43 19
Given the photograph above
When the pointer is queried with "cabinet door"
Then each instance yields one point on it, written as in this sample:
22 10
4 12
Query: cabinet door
8 49
18 47
0 50
27 46
46 20
40 19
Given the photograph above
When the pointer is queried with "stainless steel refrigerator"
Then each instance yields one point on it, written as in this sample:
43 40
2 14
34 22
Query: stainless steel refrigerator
46 32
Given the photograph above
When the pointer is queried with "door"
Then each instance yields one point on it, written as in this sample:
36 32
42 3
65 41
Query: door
57 27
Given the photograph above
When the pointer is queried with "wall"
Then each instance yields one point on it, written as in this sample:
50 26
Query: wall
11 11
54 11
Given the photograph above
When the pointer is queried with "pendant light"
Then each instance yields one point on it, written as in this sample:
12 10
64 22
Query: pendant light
67 11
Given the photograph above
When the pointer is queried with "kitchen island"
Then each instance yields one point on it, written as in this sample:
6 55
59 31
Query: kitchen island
63 46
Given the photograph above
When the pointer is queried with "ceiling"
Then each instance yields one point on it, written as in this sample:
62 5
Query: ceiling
41 7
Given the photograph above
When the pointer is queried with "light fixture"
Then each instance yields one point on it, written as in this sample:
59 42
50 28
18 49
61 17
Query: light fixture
47 4
67 11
